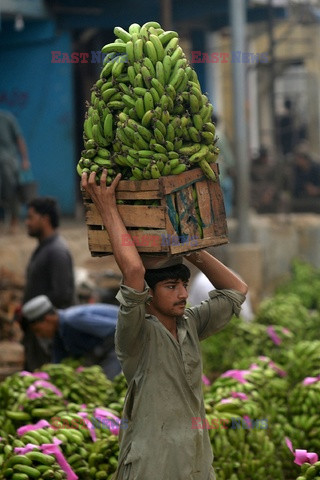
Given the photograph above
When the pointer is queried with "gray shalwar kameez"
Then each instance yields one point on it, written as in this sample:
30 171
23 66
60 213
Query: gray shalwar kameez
165 387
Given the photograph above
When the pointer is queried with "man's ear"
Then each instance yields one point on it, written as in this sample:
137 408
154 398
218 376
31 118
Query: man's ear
151 293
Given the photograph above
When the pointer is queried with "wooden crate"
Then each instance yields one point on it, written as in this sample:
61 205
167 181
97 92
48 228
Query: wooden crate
154 229
11 358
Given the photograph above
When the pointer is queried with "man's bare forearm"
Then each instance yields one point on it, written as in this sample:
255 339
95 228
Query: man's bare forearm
218 274
126 256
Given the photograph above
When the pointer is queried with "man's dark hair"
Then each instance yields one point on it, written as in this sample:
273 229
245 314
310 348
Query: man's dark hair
176 272
46 206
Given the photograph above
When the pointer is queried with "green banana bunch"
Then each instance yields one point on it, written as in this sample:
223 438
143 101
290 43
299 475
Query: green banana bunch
102 459
145 87
309 471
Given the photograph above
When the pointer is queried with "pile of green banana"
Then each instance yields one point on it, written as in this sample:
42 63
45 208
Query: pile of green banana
147 115
236 440
242 453
103 459
32 465
242 340
309 471
303 360
304 416
285 309
80 385
88 460
304 281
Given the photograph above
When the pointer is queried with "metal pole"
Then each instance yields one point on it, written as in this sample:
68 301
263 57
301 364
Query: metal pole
166 14
238 24
274 131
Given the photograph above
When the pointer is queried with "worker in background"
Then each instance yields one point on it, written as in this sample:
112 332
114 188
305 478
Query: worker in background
83 331
49 272
13 156
199 289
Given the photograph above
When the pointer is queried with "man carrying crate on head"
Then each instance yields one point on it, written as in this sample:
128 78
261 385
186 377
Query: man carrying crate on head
158 344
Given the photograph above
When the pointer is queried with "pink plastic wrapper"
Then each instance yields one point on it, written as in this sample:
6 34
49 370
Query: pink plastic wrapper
272 365
301 456
279 371
93 435
205 380
310 380
273 335
234 395
286 331
36 426
115 429
240 395
41 375
51 449
237 375
32 390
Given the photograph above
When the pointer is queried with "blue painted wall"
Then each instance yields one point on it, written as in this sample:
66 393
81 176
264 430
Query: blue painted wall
40 94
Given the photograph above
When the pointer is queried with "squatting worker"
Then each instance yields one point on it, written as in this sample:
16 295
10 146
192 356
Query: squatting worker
158 345
83 331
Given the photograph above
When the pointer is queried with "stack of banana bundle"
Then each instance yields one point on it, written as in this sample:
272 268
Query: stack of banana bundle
147 115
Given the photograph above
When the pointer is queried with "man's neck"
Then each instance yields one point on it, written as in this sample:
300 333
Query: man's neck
169 322
46 234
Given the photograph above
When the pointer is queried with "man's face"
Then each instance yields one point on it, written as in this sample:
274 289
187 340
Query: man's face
44 328
34 223
170 297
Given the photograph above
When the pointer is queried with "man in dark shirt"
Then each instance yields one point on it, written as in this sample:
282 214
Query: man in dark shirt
13 157
85 331
306 184
49 272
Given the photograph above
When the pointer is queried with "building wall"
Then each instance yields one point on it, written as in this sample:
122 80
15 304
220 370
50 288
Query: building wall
40 94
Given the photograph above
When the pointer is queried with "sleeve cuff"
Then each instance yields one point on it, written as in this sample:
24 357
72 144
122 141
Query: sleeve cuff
235 297
129 297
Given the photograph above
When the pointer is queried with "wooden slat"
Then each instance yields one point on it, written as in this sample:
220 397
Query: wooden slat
132 215
172 225
142 195
127 195
172 183
220 221
143 216
187 213
164 185
147 241
205 207
99 242
138 185
201 244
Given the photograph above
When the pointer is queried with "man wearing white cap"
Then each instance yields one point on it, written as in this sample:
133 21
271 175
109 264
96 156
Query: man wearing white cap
83 331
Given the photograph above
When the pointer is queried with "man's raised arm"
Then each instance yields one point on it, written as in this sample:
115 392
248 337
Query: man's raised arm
218 274
127 257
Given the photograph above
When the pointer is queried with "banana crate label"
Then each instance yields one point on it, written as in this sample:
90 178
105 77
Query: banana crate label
147 116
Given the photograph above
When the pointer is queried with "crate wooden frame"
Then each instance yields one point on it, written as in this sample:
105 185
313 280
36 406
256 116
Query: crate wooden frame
147 223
